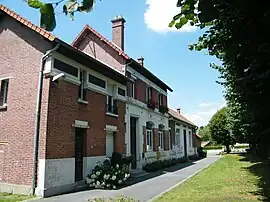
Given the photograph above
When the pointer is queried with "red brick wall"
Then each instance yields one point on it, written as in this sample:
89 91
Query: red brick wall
64 109
97 48
140 90
20 55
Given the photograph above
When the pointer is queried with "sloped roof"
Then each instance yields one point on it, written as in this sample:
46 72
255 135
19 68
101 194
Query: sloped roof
66 48
109 43
27 23
180 117
131 61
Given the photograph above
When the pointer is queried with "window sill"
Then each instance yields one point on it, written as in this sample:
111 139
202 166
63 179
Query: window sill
4 107
82 101
111 114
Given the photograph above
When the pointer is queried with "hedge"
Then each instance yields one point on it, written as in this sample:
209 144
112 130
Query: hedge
213 147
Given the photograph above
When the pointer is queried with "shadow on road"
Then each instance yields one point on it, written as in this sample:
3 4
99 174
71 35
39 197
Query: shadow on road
261 169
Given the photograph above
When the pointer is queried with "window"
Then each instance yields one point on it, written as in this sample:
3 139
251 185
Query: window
177 137
96 81
148 94
131 90
121 92
82 90
160 100
3 92
109 144
161 136
65 68
149 136
190 139
111 105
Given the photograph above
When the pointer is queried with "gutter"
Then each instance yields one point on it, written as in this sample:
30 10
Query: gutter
37 121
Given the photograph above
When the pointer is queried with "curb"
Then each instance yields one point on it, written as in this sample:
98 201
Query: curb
177 184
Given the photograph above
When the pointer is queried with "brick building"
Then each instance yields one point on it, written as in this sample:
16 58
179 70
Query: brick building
146 119
82 110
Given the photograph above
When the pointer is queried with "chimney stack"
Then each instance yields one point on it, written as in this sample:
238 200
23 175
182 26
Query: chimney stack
140 60
118 26
178 110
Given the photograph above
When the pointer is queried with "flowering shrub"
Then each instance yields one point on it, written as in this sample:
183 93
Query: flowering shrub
116 199
107 175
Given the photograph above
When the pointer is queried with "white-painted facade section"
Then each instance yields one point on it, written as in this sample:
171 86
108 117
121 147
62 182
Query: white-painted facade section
50 70
54 173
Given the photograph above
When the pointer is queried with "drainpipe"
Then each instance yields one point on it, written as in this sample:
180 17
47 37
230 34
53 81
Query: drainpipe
38 108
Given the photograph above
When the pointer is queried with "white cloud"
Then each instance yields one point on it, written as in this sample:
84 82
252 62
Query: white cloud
159 14
205 112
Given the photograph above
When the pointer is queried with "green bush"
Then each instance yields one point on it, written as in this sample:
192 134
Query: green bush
111 173
161 164
194 157
241 147
213 147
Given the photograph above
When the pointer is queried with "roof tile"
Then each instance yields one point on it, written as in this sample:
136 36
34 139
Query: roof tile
180 117
22 20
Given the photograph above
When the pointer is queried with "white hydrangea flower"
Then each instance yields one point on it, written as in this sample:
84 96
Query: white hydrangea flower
124 179
117 166
114 177
98 183
103 183
88 180
98 173
120 182
126 175
108 185
93 176
114 187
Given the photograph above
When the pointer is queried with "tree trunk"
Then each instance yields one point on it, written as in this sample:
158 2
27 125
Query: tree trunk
228 149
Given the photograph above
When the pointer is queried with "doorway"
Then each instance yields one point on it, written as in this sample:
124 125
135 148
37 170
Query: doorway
133 139
79 151
185 143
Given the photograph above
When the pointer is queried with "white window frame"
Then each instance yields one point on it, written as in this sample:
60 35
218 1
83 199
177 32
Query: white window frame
132 86
177 138
149 93
160 100
190 139
160 140
83 85
5 93
149 139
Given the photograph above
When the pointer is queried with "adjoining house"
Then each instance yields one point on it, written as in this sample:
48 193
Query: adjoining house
50 144
146 120
182 140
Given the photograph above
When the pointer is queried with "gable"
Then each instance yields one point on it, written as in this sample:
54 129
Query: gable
90 43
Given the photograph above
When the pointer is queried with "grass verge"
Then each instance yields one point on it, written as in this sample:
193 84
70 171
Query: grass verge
7 197
232 178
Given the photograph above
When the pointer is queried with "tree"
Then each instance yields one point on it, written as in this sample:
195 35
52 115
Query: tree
204 133
69 7
236 35
219 128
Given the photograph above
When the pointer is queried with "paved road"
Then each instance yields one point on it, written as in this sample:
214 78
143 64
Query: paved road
143 191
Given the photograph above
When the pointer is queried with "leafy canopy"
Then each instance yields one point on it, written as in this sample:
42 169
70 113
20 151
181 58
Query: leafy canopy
219 127
47 10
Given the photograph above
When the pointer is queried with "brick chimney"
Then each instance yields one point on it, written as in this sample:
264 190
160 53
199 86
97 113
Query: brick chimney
178 110
140 60
118 27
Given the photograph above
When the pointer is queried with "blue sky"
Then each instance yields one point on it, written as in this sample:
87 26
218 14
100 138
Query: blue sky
165 50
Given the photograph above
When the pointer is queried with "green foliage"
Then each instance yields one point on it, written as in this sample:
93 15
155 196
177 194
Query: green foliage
47 10
220 129
161 164
213 147
230 37
204 133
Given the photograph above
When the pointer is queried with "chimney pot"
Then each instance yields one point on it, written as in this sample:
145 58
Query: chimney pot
141 60
178 110
118 27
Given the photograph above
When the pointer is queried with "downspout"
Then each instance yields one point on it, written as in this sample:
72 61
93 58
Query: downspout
37 121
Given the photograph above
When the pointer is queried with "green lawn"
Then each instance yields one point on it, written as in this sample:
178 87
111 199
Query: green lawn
5 197
232 178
